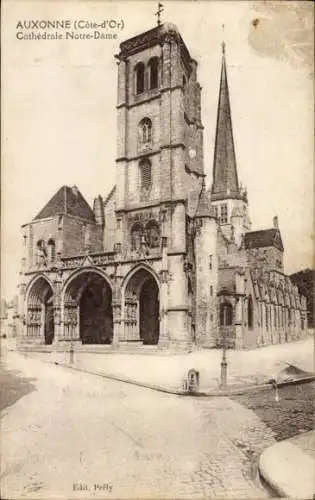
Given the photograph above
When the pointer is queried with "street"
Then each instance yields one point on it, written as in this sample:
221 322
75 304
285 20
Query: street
291 415
78 435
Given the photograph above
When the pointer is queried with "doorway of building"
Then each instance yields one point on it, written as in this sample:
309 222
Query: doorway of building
40 312
142 309
49 326
91 296
149 312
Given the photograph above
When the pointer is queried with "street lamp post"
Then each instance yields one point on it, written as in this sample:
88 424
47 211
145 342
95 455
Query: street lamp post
71 351
224 361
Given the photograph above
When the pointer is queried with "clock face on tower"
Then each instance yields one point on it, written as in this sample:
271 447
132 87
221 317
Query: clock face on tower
192 153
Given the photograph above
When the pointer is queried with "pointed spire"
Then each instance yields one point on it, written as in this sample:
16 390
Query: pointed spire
225 182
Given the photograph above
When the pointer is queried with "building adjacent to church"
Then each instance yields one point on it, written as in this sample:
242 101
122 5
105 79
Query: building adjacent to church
161 260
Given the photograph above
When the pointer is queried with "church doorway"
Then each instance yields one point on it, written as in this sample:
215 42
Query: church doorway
142 309
250 312
40 312
149 312
49 328
88 313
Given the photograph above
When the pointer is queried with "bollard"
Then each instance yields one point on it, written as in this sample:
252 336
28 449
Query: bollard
223 380
193 380
275 387
71 354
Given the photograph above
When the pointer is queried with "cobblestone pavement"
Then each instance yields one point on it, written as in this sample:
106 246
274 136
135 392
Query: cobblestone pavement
77 431
291 415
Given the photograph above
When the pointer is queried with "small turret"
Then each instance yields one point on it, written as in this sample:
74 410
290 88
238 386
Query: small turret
275 222
204 208
206 270
99 211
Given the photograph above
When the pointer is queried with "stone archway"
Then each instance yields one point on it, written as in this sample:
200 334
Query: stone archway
142 309
88 313
40 312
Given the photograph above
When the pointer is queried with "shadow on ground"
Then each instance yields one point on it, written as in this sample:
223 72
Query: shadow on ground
13 387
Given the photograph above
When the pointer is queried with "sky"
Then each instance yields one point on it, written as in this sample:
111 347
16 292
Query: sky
59 116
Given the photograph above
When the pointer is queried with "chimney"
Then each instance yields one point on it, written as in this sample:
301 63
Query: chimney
275 222
75 190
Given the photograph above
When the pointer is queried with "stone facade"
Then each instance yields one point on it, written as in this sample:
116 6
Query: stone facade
160 260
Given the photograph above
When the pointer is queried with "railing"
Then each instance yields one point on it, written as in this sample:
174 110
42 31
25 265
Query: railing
96 259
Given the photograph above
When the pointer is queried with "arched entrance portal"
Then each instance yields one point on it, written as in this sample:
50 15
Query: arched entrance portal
40 312
88 313
142 308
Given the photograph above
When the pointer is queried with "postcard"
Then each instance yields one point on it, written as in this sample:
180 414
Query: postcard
157 249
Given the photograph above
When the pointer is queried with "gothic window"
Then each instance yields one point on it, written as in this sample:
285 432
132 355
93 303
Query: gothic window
223 215
145 174
145 132
211 290
139 78
226 314
216 211
210 261
250 312
51 247
41 252
137 232
152 234
153 73
40 245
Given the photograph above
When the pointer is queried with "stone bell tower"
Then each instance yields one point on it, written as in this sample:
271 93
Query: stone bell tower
159 152
159 122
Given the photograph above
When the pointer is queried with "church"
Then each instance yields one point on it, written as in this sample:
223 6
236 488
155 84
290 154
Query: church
161 260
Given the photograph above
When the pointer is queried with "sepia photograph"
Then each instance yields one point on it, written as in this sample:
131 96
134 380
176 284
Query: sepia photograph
157 259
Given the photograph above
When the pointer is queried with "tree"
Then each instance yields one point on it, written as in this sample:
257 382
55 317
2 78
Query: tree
305 281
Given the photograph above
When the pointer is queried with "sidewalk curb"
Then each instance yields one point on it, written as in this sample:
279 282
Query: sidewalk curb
281 481
215 392
122 379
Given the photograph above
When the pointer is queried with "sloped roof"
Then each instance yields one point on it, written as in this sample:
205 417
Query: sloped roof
225 180
110 194
264 238
68 200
